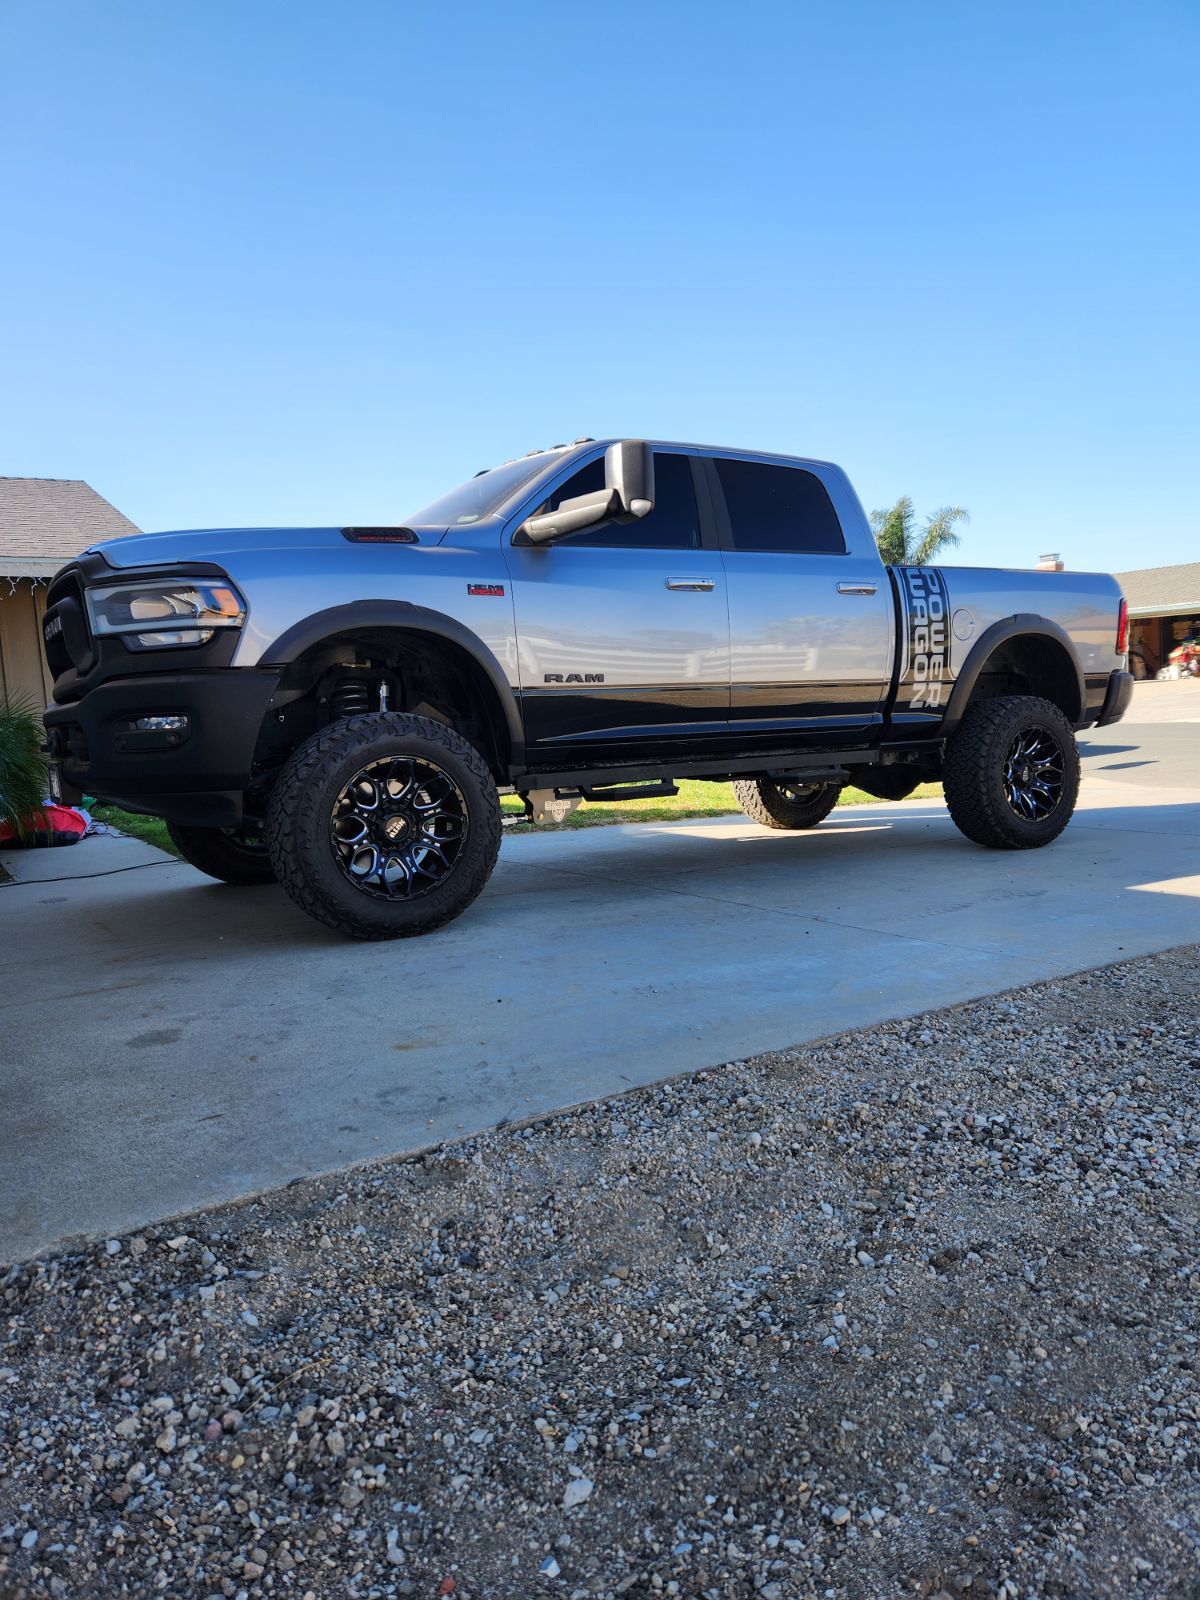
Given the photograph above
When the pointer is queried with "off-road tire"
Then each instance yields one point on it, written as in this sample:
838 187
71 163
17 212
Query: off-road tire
973 772
301 807
234 855
765 800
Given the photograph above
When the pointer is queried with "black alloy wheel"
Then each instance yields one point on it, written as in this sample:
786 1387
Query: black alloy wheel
1033 774
398 827
798 794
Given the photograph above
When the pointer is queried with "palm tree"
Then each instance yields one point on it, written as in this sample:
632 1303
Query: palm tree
902 544
22 769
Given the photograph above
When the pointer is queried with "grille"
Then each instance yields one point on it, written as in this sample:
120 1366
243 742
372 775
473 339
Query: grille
66 636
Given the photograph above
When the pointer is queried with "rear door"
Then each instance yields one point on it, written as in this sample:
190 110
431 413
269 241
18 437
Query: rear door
810 608
622 630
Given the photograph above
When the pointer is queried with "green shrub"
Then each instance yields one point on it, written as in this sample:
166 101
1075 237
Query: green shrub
22 766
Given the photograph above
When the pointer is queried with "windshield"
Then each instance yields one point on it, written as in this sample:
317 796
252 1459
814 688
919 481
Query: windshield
483 494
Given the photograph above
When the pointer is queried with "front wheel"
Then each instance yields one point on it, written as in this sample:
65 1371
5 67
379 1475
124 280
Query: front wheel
779 804
384 826
234 855
1011 773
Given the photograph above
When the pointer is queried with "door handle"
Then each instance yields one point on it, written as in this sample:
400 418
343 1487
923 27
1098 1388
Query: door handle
856 588
689 583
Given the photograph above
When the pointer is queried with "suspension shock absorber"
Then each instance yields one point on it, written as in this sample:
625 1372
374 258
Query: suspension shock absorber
350 697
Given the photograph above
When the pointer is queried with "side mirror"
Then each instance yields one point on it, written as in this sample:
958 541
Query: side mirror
629 473
628 492
584 511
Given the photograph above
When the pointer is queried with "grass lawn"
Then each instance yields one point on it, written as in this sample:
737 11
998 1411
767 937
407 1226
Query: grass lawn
695 799
152 829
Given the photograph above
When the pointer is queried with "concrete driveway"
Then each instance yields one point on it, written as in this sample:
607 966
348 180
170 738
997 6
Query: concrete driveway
170 1043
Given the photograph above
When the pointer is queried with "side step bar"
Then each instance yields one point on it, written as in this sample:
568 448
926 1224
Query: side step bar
630 791
815 765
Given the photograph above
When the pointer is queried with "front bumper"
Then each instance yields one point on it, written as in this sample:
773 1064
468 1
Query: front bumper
1117 698
197 775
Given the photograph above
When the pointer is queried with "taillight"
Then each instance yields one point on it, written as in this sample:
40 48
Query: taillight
1123 628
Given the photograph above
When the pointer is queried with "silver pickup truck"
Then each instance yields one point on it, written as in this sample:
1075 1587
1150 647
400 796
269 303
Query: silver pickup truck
340 708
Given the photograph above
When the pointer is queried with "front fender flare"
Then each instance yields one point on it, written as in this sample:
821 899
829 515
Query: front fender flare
360 614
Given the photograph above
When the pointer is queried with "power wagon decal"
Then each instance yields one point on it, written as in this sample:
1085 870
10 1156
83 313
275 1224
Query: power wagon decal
925 678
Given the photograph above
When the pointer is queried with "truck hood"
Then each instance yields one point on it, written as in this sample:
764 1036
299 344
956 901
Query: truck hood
223 545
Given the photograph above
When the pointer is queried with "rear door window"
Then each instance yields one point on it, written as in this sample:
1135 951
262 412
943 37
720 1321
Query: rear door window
778 508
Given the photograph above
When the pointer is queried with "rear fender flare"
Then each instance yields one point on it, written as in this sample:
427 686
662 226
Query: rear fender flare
1022 626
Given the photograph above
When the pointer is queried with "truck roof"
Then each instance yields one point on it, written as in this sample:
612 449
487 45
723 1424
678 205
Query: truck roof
678 444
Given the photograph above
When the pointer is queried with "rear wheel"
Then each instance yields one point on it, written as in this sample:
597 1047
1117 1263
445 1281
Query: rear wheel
780 804
234 855
384 826
1011 773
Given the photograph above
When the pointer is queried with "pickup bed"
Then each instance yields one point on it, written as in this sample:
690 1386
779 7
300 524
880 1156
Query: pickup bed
339 708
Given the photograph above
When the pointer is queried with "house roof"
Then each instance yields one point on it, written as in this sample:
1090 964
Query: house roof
1156 591
46 521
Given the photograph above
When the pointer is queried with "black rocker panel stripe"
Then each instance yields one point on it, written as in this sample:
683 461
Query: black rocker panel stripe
602 712
807 704
622 711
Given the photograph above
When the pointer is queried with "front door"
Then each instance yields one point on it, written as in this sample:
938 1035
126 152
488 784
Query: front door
810 612
622 629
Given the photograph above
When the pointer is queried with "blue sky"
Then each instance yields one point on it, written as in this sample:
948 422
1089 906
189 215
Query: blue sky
274 261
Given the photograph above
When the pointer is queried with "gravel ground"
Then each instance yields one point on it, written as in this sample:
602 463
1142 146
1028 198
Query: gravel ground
907 1311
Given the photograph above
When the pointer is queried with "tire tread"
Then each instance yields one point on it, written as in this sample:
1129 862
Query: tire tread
289 817
211 852
975 807
760 799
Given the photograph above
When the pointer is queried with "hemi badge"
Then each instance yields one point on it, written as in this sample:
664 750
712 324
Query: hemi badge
486 589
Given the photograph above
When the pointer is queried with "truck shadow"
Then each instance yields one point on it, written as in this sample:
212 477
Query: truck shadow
858 852
130 929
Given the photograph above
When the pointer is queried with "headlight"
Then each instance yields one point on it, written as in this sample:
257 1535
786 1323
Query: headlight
155 615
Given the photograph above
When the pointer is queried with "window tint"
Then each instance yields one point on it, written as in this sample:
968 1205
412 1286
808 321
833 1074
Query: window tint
482 494
588 480
672 525
779 508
